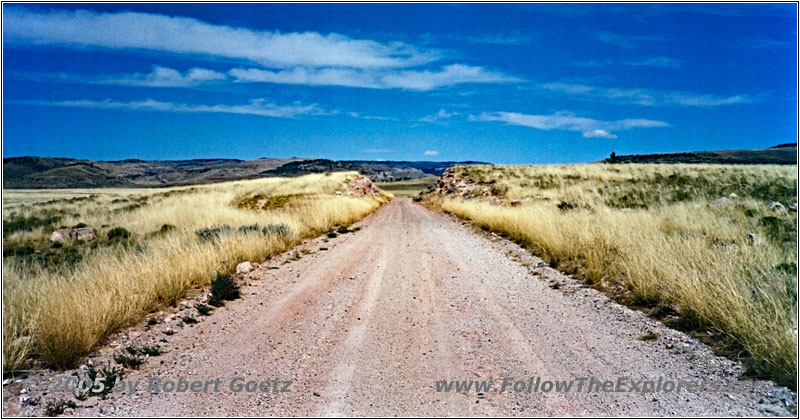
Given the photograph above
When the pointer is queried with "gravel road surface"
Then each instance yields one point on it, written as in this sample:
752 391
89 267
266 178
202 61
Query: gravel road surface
369 324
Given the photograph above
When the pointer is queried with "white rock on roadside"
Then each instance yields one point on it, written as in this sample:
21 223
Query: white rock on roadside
244 267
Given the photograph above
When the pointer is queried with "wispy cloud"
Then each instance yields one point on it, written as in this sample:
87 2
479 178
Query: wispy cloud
570 122
377 151
665 62
158 77
599 134
420 80
431 153
255 107
130 30
371 117
441 115
767 43
648 97
518 39
627 41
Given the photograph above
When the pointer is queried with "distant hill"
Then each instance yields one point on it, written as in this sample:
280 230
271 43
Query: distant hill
783 154
42 172
376 170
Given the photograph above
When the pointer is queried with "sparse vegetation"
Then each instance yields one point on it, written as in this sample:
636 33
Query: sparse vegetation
56 408
127 276
204 310
129 361
148 350
647 235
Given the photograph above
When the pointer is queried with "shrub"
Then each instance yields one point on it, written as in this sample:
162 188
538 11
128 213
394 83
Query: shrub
132 362
223 288
212 233
149 350
250 228
57 407
281 230
118 234
204 310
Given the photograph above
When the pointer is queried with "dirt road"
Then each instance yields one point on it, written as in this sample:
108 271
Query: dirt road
369 325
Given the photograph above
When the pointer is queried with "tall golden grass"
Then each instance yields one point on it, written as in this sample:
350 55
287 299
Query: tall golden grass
636 227
60 315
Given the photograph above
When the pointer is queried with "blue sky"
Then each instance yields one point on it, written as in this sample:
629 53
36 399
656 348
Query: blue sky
514 83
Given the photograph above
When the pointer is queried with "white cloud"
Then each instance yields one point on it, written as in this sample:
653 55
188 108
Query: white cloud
255 107
161 77
599 134
377 151
627 41
665 62
441 115
421 80
371 117
431 153
130 30
649 97
568 121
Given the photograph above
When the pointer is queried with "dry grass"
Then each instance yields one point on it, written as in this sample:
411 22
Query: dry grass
409 188
58 314
647 229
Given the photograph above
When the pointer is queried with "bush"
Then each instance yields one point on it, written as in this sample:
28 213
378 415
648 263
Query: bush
132 362
118 234
56 408
223 288
212 233
281 230
166 227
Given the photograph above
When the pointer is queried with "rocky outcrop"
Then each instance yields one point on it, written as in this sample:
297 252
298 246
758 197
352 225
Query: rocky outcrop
452 184
81 234
362 186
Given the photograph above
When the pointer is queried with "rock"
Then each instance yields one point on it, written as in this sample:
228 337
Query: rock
84 234
753 239
244 267
81 234
362 186
775 206
793 207
733 196
721 202
59 235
